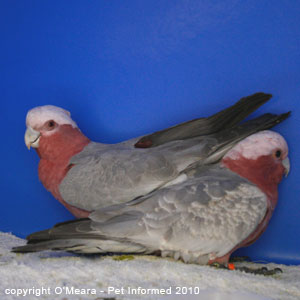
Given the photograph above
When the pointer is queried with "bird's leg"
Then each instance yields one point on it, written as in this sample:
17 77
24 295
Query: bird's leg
218 265
221 262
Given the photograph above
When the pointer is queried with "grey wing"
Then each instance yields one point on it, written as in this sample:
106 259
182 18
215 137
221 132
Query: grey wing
202 217
111 176
199 219
103 175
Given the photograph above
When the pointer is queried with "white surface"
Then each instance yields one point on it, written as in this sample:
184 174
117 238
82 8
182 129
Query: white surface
59 270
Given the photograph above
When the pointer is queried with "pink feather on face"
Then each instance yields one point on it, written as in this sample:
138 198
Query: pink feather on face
255 158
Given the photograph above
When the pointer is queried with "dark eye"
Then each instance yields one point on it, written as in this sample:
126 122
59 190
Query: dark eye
51 124
278 153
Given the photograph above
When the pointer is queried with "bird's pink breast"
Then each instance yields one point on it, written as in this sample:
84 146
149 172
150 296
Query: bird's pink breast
266 174
55 152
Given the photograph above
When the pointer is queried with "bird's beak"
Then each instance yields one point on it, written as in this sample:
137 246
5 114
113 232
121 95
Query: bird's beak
32 138
286 164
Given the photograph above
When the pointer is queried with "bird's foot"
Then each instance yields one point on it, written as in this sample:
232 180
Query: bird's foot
218 265
260 271
257 271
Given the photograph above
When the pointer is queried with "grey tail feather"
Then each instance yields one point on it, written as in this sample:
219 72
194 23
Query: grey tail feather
58 236
78 237
48 245
204 126
227 138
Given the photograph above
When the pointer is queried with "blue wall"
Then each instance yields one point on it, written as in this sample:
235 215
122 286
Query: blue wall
125 68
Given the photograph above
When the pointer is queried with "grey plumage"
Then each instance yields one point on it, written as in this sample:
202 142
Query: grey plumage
209 212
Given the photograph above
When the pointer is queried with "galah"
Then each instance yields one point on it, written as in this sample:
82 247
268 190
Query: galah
85 176
213 210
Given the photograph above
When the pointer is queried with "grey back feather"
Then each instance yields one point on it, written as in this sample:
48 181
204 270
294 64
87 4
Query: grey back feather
209 213
103 176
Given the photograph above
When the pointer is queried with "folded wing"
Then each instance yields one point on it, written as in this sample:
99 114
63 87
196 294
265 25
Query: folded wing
208 214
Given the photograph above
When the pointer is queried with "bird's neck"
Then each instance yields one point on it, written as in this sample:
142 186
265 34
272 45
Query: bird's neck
55 152
262 171
62 144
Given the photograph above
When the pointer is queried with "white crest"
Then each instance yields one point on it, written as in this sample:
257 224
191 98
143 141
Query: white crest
37 116
258 144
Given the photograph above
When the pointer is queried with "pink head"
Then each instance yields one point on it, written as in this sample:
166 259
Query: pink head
262 158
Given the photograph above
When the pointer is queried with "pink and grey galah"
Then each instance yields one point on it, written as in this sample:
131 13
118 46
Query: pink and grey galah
207 213
86 176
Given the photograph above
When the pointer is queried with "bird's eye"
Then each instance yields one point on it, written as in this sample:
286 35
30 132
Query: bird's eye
50 124
278 153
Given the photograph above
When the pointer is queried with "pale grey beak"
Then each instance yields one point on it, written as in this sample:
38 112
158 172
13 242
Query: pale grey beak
286 164
32 138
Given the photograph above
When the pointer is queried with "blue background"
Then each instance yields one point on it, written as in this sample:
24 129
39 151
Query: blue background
126 68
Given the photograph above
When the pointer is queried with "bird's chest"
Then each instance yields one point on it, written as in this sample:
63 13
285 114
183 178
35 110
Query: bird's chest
51 174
